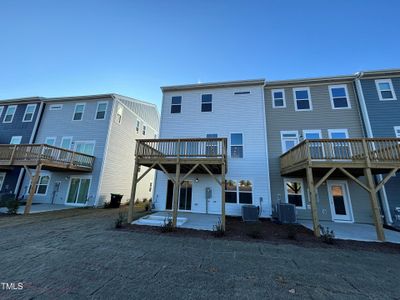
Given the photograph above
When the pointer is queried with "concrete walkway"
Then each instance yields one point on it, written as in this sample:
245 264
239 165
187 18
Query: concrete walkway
39 208
185 220
355 231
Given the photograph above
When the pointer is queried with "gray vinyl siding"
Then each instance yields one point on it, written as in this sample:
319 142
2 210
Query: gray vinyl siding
383 117
58 123
120 156
322 117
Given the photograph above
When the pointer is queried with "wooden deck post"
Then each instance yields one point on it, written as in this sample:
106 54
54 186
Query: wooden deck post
133 192
223 196
32 190
177 187
313 201
375 205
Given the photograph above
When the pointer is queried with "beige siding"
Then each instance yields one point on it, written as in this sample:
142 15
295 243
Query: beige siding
322 117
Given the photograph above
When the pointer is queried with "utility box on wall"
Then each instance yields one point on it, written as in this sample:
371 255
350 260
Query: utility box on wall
208 193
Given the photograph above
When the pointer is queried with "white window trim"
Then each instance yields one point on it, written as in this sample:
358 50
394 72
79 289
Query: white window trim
65 138
345 91
4 179
230 145
377 81
1 110
397 131
330 131
12 118
331 182
97 110
201 103
288 132
309 98
285 180
69 186
16 136
50 137
42 174
172 104
83 111
56 107
318 131
273 98
86 142
26 110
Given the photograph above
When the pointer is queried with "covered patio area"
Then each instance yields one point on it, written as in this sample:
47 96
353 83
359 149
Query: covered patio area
355 231
184 220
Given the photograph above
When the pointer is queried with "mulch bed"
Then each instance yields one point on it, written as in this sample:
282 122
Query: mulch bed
269 232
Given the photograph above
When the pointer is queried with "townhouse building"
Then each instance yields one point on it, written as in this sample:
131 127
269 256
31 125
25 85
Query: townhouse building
19 120
379 93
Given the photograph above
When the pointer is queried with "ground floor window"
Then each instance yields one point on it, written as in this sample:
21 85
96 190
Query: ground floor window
42 185
239 191
294 192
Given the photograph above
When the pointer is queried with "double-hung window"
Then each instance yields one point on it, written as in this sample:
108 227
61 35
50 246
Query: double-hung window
29 112
289 139
339 97
237 145
78 112
294 192
206 103
176 103
302 99
144 130
86 147
42 185
137 126
340 149
101 110
278 98
239 191
385 89
212 146
10 112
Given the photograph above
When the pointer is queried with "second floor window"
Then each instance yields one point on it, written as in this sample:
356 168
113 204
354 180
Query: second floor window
302 99
397 131
101 110
289 139
137 126
176 103
10 112
385 89
339 97
144 130
78 112
278 98
16 140
29 112
237 145
206 103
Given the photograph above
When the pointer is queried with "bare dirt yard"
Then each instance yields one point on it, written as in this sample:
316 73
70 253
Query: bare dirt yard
78 254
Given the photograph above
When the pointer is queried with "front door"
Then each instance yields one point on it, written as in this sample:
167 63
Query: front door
339 201
185 196
78 191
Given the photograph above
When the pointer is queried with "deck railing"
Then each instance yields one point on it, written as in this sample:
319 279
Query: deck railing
201 148
31 153
376 150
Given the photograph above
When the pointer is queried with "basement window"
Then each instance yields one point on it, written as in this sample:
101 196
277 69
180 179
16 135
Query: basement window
294 192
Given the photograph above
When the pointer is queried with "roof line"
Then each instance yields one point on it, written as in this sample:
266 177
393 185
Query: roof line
213 85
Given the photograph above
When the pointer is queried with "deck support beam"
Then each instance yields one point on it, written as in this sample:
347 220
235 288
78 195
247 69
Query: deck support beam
386 179
313 201
223 219
323 179
375 205
344 171
133 192
32 190
177 187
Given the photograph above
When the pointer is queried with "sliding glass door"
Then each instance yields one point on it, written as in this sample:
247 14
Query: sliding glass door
78 190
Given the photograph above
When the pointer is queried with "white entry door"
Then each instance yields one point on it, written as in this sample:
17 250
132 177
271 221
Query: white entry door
339 201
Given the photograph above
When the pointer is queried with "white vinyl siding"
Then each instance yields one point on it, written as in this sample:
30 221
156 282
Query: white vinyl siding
385 89
29 113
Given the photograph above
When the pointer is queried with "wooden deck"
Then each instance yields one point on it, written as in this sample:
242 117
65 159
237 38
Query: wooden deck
49 157
381 155
188 152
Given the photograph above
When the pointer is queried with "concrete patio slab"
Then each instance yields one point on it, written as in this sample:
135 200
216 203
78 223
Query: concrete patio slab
355 231
185 220
39 208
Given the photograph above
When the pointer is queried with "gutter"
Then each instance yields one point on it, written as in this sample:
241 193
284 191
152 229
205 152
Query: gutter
368 129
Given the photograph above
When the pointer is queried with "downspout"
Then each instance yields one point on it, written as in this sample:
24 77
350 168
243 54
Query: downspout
369 133
32 139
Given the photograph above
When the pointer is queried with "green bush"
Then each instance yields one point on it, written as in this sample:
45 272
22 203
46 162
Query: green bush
218 230
327 236
120 220
10 202
168 225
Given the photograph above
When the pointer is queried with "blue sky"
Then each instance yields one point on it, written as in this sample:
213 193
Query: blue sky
63 48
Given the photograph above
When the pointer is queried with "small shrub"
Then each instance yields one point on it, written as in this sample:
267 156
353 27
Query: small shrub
120 220
137 201
144 200
10 202
291 232
218 230
327 236
168 225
